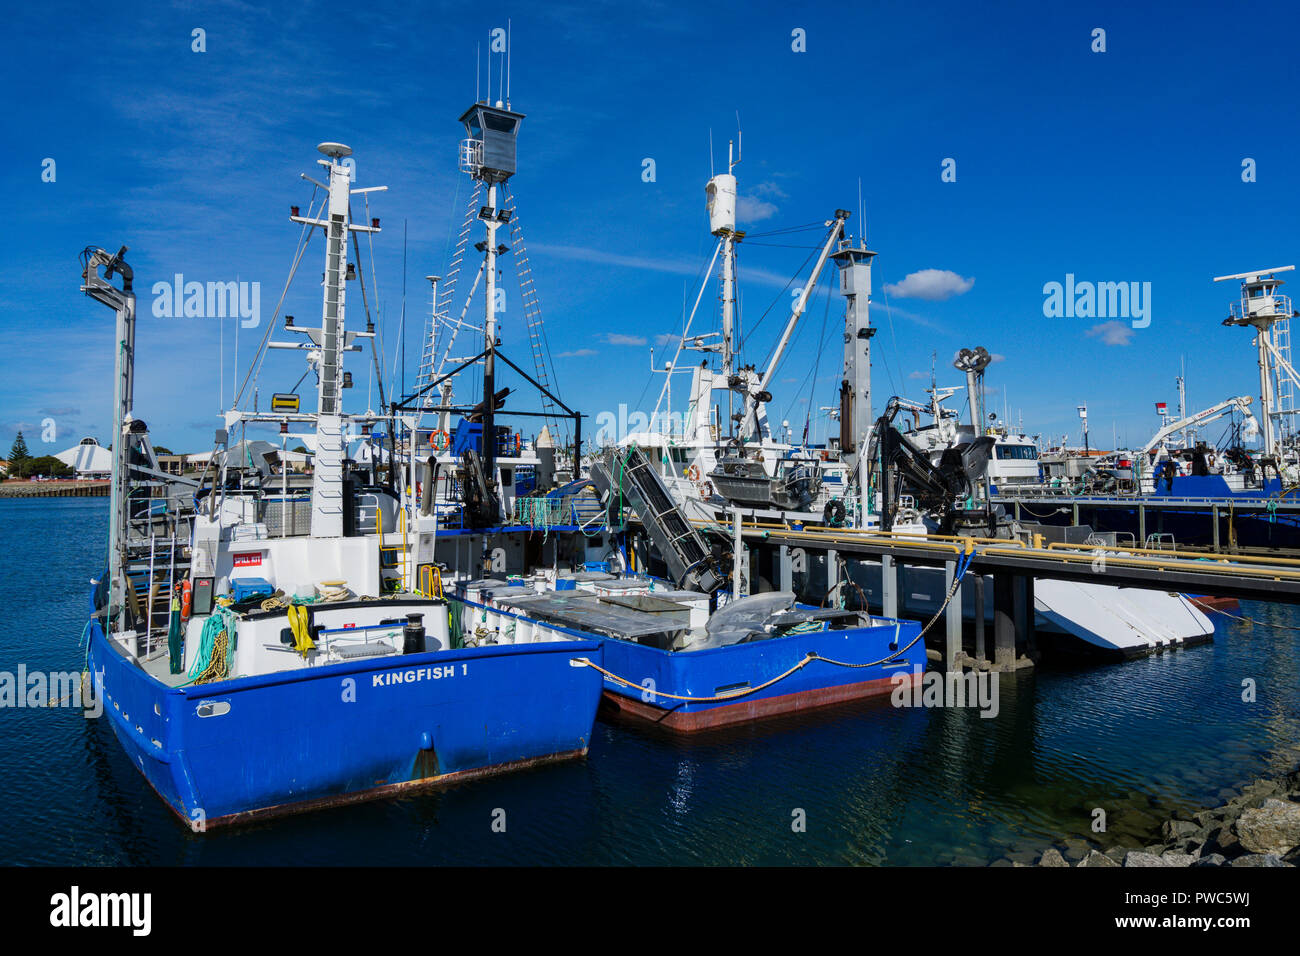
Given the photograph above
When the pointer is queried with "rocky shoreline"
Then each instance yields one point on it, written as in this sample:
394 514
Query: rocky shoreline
1258 826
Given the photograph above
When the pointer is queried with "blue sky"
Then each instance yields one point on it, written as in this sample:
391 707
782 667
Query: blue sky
1117 166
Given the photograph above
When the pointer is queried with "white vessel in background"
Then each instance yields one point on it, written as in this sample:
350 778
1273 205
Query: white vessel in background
723 468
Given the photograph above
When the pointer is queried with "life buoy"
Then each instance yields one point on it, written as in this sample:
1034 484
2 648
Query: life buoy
436 444
826 456
706 489
693 473
187 600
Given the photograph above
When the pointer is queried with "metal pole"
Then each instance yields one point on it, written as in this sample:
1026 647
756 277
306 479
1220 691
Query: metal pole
888 587
952 618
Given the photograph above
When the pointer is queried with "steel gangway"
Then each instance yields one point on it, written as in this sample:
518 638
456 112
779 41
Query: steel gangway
631 475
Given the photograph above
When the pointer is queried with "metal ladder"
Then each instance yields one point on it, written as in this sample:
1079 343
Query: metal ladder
1285 412
401 551
434 357
157 601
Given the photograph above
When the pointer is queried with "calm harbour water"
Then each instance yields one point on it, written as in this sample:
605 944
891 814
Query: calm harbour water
877 784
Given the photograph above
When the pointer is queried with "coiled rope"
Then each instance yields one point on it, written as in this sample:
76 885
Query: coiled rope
216 647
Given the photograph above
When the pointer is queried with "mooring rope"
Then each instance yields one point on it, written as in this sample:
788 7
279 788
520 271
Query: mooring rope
702 700
962 567
1247 620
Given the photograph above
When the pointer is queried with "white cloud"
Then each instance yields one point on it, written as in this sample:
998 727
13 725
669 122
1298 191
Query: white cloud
1111 333
749 209
934 285
577 353
667 338
769 188
617 338
919 375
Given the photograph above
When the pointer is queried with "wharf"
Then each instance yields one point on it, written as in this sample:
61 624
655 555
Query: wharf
1013 566
53 489
1238 524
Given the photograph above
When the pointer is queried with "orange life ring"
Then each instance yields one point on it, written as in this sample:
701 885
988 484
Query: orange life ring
693 473
706 489
439 446
187 600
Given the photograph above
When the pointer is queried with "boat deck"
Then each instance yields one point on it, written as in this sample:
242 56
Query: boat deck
158 666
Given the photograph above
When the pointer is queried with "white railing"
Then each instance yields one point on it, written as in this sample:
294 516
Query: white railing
1262 306
470 156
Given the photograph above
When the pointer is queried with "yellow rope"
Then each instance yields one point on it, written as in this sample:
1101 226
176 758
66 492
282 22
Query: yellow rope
81 686
216 669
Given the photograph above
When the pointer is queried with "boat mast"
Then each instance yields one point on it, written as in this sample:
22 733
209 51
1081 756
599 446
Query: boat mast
1270 314
329 342
721 193
489 155
854 263
122 302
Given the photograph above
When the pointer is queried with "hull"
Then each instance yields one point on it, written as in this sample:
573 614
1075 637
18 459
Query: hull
717 671
1113 620
252 747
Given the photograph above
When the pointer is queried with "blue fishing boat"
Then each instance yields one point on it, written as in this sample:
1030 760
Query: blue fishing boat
267 642
669 662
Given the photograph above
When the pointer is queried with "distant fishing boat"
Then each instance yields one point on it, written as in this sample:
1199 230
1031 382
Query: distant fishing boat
719 471
263 649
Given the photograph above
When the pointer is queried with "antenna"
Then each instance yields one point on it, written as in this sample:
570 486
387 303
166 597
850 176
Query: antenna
710 152
507 63
478 56
1253 275
862 216
740 144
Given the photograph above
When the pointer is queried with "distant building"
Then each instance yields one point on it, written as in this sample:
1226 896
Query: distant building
253 453
172 464
88 458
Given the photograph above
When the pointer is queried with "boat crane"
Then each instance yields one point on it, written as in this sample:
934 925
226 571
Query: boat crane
1270 314
1203 417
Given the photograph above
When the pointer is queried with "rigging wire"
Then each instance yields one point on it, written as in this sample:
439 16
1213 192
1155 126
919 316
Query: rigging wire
893 340
812 386
786 230
778 298
255 366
